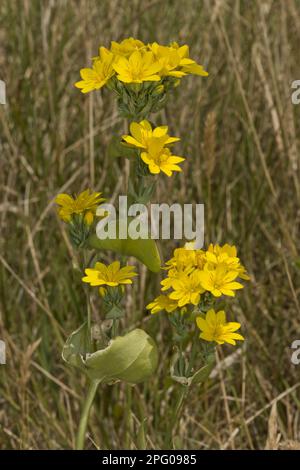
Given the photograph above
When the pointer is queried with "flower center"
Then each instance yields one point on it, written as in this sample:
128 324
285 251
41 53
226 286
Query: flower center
217 332
136 73
162 156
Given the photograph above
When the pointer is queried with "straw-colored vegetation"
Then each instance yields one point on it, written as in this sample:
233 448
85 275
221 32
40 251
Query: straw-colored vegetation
240 134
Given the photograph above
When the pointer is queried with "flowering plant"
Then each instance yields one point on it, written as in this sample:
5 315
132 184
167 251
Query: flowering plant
141 76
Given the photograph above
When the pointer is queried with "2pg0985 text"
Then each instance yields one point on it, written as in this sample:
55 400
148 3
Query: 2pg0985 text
171 459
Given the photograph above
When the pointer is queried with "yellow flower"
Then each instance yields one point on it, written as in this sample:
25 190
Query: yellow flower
162 302
188 65
193 68
219 281
225 255
215 328
126 47
142 132
182 259
89 217
183 51
159 158
138 68
169 59
187 257
97 76
230 250
84 204
173 275
153 141
187 289
111 275
175 61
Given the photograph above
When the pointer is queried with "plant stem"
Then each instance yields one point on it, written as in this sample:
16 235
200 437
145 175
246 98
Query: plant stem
85 415
176 415
114 329
184 390
88 302
193 354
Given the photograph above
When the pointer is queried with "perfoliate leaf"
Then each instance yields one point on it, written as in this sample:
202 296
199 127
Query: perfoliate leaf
131 358
76 347
114 313
145 250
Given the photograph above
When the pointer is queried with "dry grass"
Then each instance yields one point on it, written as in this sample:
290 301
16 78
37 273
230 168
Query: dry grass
241 134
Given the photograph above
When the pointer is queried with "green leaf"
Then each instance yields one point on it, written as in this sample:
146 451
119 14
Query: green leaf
117 149
114 313
131 358
202 374
174 370
145 250
198 377
76 347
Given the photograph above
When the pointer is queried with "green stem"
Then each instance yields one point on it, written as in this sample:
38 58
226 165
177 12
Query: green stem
88 302
178 406
128 417
85 415
193 356
176 415
184 390
89 318
114 329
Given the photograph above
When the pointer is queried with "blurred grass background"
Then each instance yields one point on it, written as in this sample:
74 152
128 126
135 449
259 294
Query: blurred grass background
240 133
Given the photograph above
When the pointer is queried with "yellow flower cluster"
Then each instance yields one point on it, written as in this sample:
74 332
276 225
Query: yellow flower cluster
154 145
194 274
132 61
